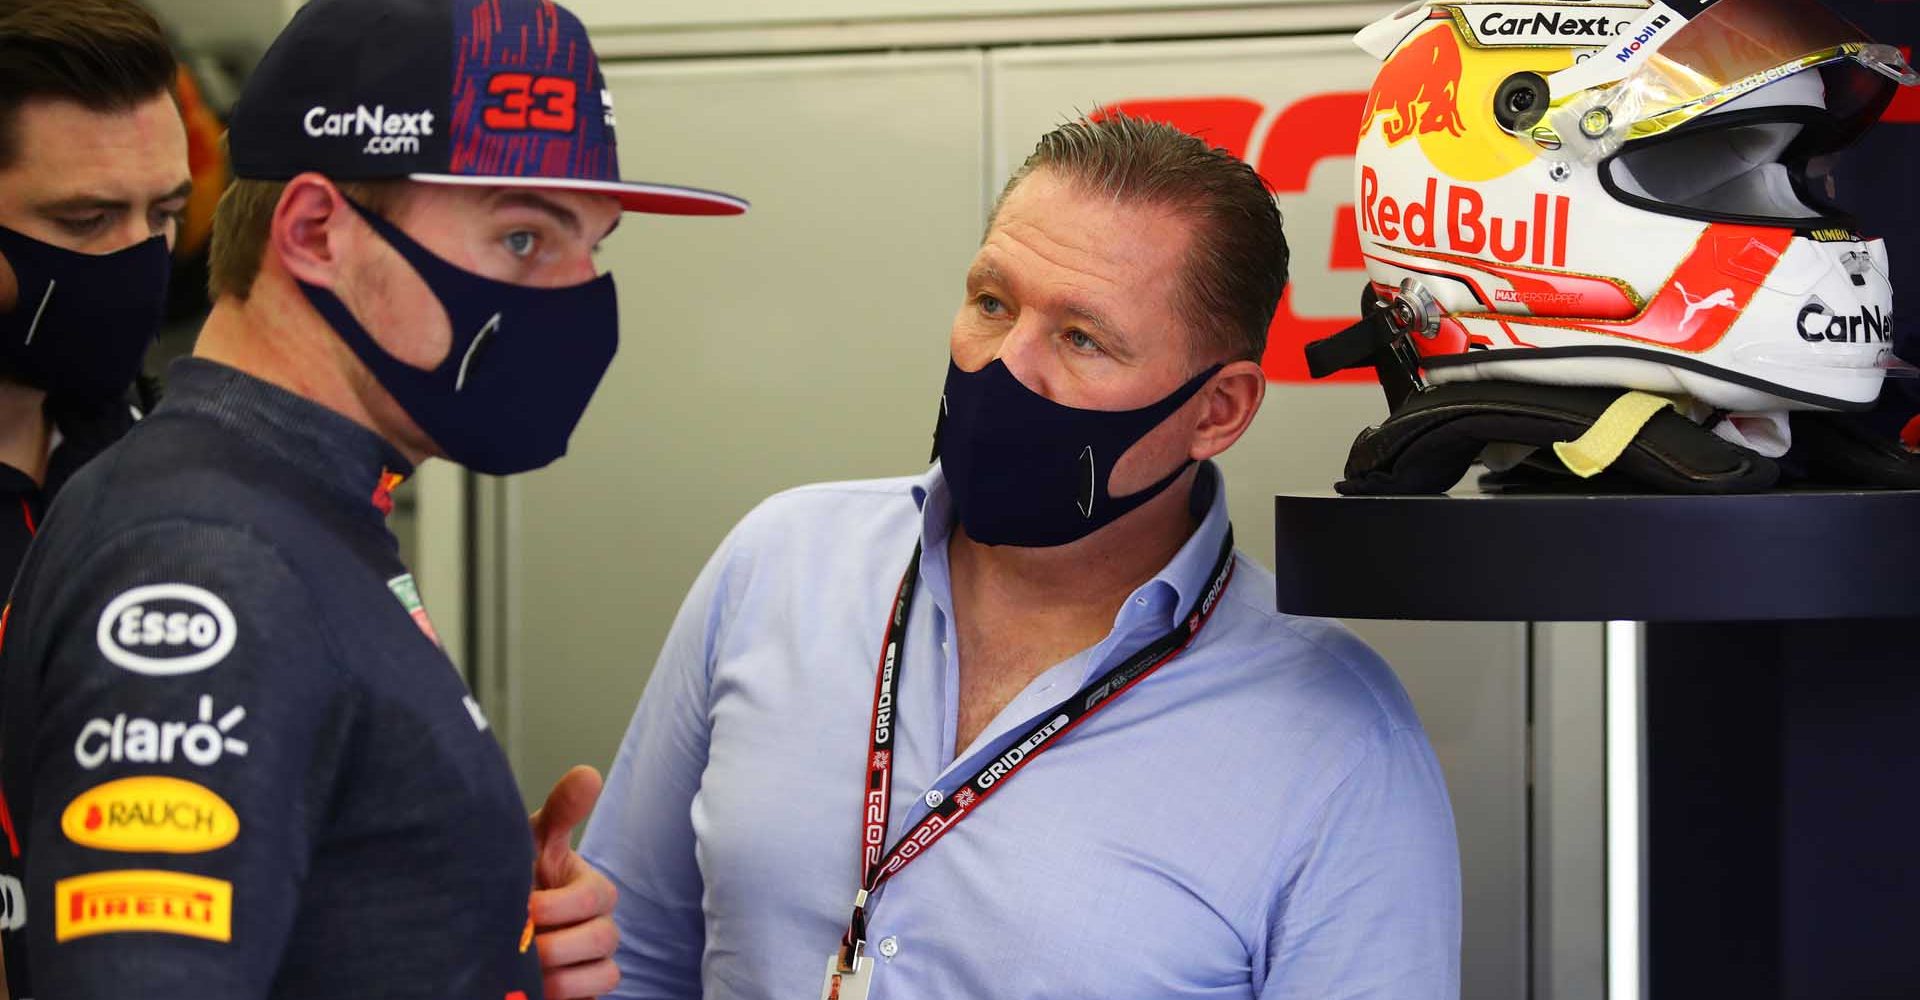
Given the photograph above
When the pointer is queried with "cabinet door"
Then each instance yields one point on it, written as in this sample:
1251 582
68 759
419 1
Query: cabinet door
1291 106
803 341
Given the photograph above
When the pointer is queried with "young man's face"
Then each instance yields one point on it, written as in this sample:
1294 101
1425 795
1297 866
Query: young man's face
94 182
540 239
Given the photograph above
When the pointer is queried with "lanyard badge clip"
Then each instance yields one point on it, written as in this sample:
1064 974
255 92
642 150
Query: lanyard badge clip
854 945
849 969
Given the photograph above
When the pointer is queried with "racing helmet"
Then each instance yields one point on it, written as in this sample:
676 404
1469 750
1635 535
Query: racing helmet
1629 194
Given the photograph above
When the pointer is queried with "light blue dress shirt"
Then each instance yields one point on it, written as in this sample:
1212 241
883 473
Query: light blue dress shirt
1261 817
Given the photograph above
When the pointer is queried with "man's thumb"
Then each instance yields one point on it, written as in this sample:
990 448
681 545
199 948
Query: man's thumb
567 806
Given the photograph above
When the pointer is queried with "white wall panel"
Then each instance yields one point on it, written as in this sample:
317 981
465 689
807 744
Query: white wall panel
240 25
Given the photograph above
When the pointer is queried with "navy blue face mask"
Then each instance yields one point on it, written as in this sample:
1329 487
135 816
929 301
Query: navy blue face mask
1025 470
82 322
523 366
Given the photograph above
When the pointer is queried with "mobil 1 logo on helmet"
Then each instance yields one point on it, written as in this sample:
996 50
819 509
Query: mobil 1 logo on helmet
166 629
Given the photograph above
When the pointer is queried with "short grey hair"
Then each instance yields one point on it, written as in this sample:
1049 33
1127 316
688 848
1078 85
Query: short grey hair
1237 264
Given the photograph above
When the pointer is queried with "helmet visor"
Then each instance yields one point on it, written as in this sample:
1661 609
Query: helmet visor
1732 48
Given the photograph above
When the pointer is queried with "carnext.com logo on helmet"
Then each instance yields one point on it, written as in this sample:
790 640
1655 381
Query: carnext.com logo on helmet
399 132
1659 24
1533 26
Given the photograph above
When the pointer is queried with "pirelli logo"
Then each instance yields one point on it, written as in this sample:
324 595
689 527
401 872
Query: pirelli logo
161 902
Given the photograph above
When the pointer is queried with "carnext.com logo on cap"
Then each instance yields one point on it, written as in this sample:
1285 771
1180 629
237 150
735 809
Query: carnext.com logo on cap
386 133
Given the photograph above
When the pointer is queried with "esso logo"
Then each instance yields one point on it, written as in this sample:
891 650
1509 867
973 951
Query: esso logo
166 629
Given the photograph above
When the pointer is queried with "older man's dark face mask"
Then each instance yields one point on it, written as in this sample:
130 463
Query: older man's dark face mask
1025 470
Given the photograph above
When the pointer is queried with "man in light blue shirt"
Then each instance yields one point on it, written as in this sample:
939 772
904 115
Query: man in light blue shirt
1073 751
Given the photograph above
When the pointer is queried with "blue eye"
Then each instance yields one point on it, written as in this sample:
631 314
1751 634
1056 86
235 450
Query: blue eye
1082 342
991 306
522 243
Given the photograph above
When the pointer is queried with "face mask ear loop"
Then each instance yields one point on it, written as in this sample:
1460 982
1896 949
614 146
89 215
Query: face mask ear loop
1171 405
416 255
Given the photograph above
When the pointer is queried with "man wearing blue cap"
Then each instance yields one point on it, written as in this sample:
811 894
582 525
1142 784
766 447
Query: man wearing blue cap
237 762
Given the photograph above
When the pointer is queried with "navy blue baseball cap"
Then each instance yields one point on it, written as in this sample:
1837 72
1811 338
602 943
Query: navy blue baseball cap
500 93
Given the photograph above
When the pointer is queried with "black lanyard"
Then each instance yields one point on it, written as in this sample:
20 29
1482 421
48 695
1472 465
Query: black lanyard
877 864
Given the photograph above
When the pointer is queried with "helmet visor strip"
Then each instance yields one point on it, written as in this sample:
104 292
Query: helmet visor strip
1728 50
1784 358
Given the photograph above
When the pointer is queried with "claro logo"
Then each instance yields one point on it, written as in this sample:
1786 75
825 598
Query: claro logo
140 740
166 629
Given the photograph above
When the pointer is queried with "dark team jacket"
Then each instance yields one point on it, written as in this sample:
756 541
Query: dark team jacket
85 432
235 760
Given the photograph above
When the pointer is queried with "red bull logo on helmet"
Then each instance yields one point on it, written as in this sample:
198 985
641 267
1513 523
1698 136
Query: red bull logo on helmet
1437 89
1417 91
1457 219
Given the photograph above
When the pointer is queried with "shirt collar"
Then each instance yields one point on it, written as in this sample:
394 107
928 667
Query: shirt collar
356 464
1166 598
1173 592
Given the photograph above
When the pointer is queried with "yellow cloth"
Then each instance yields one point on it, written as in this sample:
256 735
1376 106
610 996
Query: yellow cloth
1609 436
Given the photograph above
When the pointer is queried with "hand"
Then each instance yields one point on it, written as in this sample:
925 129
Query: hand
572 904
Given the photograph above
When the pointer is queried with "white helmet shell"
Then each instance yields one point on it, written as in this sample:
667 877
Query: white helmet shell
1683 246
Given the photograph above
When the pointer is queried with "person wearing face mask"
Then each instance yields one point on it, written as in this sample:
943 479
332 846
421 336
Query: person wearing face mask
93 182
235 761
1027 725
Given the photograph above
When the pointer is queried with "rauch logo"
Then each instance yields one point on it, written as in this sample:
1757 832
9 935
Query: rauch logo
150 813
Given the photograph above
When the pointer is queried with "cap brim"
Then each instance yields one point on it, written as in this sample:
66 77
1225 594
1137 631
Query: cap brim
656 199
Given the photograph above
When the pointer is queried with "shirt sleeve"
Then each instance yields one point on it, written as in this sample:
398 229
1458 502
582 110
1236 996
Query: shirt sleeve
188 725
1373 910
641 834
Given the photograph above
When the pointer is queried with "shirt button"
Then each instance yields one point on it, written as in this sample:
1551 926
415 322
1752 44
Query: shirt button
934 798
889 947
